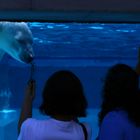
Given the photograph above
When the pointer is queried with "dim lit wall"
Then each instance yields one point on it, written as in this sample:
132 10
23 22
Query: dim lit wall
71 11
97 5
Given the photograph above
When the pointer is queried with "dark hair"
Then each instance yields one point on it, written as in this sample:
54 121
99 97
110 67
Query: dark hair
63 95
121 91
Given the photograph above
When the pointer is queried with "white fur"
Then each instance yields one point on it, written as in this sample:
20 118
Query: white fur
16 40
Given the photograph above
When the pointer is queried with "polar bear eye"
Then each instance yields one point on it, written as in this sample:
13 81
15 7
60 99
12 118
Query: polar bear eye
22 42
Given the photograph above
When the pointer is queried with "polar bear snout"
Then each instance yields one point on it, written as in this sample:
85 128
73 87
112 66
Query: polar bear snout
26 57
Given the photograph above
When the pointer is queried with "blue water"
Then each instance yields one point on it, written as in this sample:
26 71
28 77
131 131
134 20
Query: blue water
86 49
78 41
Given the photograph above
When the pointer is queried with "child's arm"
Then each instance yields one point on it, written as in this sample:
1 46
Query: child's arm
26 110
138 63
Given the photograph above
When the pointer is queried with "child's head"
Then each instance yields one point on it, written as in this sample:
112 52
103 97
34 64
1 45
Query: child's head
121 91
63 95
121 84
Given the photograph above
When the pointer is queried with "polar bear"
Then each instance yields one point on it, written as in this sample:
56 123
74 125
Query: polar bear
16 40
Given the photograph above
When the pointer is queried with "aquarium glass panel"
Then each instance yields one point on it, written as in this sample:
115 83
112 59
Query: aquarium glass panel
87 49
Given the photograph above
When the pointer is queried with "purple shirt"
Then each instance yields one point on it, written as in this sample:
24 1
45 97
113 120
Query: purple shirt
117 126
52 129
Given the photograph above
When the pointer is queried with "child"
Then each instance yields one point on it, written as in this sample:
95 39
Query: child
64 102
120 112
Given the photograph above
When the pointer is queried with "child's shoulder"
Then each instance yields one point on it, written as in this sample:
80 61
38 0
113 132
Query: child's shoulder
116 117
34 122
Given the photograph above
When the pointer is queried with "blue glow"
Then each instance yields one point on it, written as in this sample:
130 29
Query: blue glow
50 27
126 31
6 111
97 28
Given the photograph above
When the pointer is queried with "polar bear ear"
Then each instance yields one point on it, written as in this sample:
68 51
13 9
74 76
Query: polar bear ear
1 54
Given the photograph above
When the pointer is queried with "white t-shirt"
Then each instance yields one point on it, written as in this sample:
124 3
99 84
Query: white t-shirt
52 129
117 126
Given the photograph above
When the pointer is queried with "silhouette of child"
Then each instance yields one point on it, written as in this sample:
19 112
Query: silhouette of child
64 102
119 118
